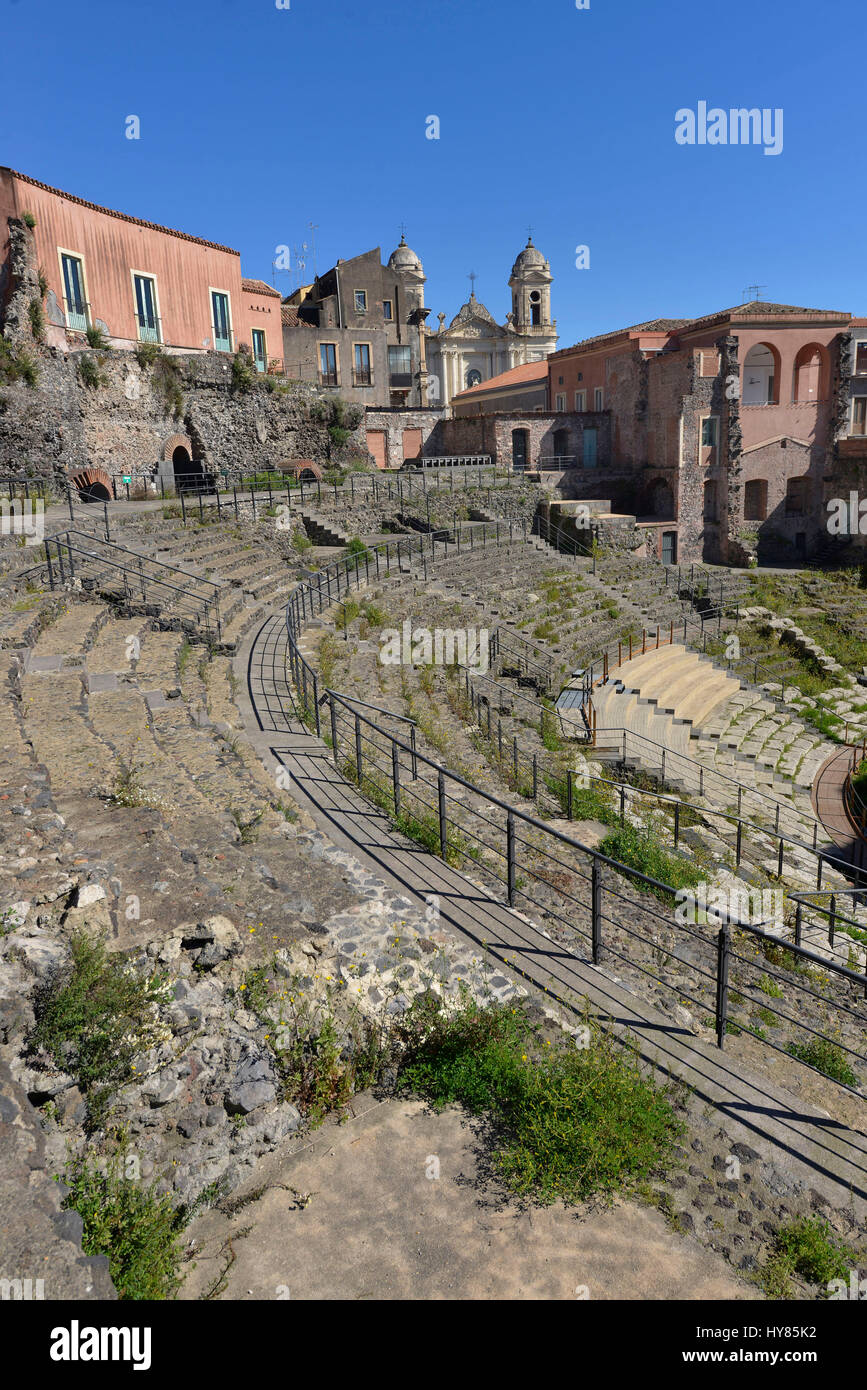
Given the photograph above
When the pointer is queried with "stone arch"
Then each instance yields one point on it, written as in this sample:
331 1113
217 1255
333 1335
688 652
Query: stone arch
304 470
176 441
93 484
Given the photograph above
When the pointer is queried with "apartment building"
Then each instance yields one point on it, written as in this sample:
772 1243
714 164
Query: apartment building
136 280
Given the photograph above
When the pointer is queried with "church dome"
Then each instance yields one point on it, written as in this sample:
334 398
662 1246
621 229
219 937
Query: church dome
531 258
404 258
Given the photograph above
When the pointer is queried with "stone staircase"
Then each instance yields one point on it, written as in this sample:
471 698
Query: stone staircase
663 695
321 530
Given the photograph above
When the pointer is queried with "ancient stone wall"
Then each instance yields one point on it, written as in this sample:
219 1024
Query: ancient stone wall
124 421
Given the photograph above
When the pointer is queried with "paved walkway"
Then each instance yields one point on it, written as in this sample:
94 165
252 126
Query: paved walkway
807 1144
830 806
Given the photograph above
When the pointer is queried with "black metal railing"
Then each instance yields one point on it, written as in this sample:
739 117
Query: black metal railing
77 555
571 887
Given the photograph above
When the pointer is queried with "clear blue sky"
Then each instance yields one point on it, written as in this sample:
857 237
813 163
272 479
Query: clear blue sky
256 121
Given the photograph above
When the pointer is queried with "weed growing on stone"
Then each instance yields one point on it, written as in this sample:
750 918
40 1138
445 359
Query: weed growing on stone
641 850
827 1057
807 1248
137 1228
95 1017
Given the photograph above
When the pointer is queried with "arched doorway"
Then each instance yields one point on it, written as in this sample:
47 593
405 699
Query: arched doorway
94 485
305 470
189 474
561 445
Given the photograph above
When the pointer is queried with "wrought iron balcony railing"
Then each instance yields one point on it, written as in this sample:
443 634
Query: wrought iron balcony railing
149 328
77 312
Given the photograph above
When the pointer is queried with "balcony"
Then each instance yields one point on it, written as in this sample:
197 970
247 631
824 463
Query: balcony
77 313
149 328
400 381
362 376
328 379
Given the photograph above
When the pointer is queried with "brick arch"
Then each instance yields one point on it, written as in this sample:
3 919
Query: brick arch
94 484
300 468
177 441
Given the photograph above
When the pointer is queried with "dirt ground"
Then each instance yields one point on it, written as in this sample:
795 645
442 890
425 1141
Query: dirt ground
392 1204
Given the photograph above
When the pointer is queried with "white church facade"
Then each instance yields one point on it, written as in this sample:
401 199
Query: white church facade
475 347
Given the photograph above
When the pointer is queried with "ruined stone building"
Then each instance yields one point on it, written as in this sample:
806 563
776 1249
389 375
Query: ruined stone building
736 427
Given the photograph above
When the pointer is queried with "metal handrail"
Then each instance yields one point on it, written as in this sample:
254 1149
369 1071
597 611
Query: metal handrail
64 545
296 612
147 559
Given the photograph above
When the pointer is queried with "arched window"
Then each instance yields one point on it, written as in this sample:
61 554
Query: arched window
809 374
535 307
474 377
761 376
710 501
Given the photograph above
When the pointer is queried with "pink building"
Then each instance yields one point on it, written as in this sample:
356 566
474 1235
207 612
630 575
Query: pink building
140 282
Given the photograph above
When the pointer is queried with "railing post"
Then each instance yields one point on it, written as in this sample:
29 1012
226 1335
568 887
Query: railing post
738 842
441 806
413 755
333 708
395 776
799 912
723 954
596 910
510 857
316 705
832 919
358 746
535 778
569 794
676 823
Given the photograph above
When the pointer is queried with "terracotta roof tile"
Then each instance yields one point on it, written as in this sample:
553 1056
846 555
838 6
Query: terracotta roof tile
258 287
289 315
515 376
651 326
